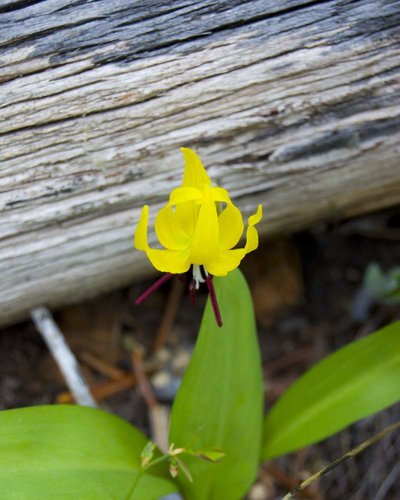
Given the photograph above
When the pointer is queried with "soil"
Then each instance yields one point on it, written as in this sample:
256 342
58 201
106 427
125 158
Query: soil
304 288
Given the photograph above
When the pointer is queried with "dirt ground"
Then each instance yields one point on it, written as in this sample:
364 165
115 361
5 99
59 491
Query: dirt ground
304 289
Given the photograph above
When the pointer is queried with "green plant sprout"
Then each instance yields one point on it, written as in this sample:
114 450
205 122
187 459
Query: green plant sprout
218 431
378 287
173 457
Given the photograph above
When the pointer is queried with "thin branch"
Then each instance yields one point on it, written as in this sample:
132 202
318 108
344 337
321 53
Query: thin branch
100 366
105 389
169 315
347 456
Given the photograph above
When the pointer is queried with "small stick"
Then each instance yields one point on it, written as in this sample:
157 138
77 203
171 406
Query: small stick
63 356
143 381
104 390
284 479
169 315
289 359
101 366
347 456
158 414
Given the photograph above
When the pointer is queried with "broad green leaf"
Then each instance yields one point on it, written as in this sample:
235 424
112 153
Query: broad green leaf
73 452
220 402
353 383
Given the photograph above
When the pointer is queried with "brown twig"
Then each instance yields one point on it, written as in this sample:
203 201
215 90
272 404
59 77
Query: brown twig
285 480
158 414
142 380
101 366
289 359
103 390
347 456
169 315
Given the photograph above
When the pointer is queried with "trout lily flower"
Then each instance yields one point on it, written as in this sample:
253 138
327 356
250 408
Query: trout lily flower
199 227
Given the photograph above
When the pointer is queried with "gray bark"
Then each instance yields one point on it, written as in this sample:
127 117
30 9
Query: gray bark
292 104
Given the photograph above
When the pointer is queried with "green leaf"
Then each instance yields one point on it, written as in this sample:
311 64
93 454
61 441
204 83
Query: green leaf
210 455
73 452
220 402
353 383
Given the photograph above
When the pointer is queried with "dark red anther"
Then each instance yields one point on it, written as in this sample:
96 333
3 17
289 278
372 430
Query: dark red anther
213 299
155 286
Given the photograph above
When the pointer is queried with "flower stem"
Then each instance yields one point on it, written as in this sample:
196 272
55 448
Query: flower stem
155 286
213 299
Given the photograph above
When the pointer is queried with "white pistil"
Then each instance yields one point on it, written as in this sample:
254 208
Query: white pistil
197 276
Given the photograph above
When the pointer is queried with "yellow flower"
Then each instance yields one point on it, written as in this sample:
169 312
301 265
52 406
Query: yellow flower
199 226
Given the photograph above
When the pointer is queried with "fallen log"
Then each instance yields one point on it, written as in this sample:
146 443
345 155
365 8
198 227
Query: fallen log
292 104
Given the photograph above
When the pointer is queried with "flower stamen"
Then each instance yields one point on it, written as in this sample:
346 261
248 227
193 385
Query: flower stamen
197 276
154 287
213 299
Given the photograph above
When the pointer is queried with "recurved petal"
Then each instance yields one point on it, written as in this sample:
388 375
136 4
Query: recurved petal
251 233
194 174
255 218
140 240
169 230
169 261
231 227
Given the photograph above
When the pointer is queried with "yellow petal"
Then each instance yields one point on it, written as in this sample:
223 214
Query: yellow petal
195 174
169 230
226 262
205 242
169 261
140 241
220 194
251 233
184 194
255 218
231 227
186 203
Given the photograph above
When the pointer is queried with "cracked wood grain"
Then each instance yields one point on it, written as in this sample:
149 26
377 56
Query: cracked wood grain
294 104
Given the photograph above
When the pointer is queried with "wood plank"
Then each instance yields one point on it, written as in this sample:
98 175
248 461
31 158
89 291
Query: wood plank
294 104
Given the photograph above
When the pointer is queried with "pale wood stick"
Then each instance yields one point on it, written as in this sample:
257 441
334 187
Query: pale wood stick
63 356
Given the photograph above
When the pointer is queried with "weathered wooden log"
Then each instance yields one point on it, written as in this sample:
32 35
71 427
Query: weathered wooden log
294 104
